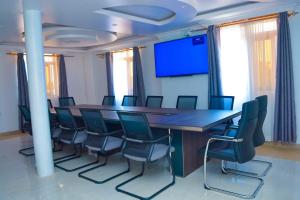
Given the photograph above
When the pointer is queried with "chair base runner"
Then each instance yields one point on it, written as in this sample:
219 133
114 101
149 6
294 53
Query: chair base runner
56 164
22 151
139 175
98 166
264 173
244 196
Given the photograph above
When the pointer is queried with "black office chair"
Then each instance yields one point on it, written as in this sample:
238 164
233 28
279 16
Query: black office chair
140 145
237 147
66 101
129 100
54 130
186 102
108 101
100 140
258 136
154 101
72 133
49 104
25 112
221 103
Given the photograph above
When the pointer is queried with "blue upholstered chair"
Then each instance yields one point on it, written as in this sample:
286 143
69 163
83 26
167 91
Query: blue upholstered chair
72 133
154 101
25 112
238 147
66 101
54 130
100 140
258 136
49 103
129 100
141 145
221 103
108 101
186 102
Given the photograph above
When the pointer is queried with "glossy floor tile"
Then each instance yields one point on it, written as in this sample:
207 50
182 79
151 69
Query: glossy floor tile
18 179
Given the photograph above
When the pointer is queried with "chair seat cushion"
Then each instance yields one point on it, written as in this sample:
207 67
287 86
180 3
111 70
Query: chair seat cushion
55 132
95 142
222 154
220 128
68 138
159 151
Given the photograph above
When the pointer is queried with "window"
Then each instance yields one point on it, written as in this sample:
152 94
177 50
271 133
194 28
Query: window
51 75
122 74
248 63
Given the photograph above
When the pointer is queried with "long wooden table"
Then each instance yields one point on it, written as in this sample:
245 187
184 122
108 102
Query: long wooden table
189 128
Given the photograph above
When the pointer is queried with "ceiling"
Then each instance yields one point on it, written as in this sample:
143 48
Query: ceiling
92 24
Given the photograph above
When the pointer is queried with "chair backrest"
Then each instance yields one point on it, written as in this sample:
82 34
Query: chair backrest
221 102
154 101
129 100
93 121
108 100
186 102
136 129
25 112
65 118
258 136
245 150
135 125
49 103
66 101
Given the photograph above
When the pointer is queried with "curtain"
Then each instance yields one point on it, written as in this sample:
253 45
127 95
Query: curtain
214 78
285 116
63 83
248 64
22 86
261 39
138 82
109 73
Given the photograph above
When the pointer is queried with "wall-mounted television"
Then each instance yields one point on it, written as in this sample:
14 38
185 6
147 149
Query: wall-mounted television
182 57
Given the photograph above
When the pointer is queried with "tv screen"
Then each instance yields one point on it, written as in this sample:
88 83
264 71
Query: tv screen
182 57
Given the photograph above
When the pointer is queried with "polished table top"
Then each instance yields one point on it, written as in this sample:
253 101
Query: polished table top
187 120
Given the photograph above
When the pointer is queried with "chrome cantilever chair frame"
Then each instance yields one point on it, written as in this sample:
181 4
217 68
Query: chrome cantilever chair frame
236 171
206 186
169 158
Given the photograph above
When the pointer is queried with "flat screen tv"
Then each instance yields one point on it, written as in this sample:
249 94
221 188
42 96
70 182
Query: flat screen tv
181 57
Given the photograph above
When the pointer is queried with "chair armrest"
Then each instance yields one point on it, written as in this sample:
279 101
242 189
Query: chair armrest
224 138
146 141
116 132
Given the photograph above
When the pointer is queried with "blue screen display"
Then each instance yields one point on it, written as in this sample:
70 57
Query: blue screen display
181 57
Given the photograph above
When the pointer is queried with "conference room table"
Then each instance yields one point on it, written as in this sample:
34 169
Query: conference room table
190 129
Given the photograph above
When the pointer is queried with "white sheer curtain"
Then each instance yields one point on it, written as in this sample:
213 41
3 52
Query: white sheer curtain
123 74
248 64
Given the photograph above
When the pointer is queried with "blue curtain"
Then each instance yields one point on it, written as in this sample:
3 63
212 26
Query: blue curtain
22 86
214 77
285 116
63 83
109 74
138 81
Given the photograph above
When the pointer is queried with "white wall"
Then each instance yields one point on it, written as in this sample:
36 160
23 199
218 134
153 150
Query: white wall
295 40
86 75
8 93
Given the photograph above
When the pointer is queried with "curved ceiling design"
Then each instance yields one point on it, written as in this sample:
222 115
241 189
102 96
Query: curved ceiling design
150 12
60 36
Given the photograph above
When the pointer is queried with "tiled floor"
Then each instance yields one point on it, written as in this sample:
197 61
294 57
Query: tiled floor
18 180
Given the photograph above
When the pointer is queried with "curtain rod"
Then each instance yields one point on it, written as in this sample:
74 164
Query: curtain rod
50 55
253 19
126 49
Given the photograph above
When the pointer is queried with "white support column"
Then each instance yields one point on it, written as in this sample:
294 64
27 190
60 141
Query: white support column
37 92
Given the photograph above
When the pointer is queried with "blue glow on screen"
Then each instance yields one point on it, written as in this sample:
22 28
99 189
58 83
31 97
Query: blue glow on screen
181 57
